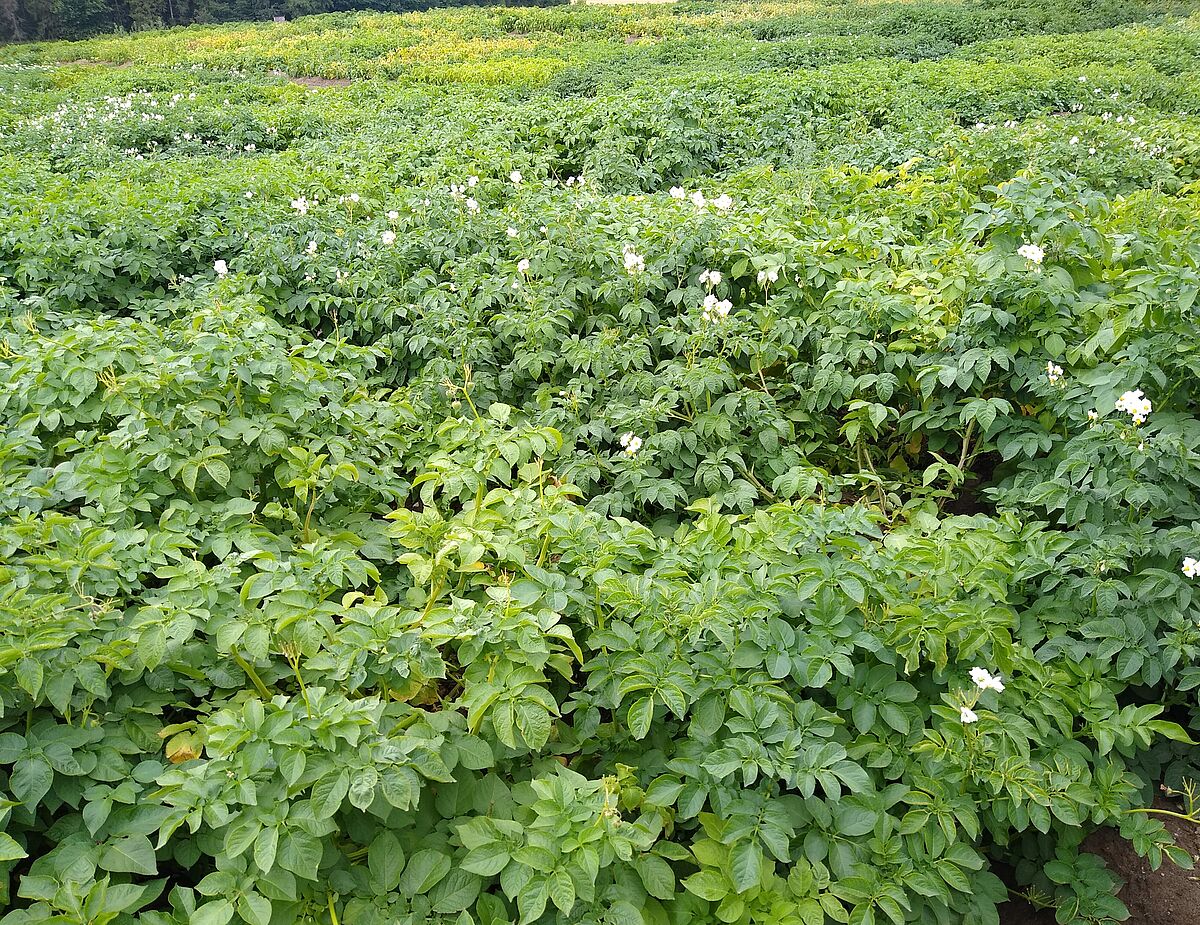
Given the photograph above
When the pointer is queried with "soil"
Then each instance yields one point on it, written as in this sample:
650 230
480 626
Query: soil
322 81
88 62
314 81
1167 896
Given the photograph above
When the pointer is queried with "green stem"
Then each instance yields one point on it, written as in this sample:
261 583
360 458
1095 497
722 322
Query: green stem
1165 812
251 674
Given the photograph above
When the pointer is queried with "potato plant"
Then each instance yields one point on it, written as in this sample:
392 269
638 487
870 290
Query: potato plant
717 463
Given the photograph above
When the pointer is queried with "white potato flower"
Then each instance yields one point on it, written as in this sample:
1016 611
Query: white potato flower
1136 405
986 681
967 715
221 267
715 309
1031 252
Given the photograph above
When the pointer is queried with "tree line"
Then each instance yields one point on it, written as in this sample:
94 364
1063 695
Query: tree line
71 19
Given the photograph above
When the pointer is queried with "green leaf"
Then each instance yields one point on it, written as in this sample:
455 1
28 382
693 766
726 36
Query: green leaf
329 792
640 716
486 860
10 850
152 646
385 859
300 853
133 854
458 891
562 891
31 779
266 847
219 472
362 787
474 753
707 884
400 787
1170 730
424 870
214 913
656 874
745 861
254 908
29 676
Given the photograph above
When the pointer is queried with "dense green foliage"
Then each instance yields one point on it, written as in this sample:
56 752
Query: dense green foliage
399 522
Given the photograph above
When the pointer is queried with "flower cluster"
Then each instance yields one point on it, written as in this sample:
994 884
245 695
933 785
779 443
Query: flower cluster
221 268
1032 253
1054 373
458 190
1191 567
631 444
765 277
634 262
710 278
984 680
301 204
389 237
723 203
714 309
1136 405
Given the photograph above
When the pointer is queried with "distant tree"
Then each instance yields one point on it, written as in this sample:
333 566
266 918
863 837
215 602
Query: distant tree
146 14
78 18
10 21
293 8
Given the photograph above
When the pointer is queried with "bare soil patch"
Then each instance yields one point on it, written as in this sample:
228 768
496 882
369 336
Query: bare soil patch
315 81
1167 896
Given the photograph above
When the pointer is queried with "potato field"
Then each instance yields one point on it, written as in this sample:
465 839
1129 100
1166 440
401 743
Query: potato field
711 462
